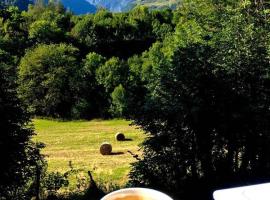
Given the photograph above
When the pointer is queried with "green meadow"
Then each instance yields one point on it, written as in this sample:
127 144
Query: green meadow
79 142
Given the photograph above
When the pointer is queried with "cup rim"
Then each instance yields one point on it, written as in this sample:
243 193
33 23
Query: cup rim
161 195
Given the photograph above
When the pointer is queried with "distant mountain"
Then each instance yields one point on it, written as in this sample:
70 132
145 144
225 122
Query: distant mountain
158 4
91 6
76 6
23 5
125 5
79 6
113 5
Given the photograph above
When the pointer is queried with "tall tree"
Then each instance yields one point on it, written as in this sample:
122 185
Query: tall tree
206 110
18 155
92 101
48 75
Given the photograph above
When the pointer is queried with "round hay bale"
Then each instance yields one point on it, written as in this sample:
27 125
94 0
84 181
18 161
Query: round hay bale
105 148
120 137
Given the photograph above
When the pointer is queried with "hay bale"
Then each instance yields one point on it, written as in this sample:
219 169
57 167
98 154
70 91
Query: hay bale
105 148
120 136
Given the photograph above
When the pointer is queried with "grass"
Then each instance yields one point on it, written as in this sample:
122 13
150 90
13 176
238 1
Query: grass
79 141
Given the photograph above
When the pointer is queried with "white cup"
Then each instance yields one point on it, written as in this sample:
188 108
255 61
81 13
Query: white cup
136 194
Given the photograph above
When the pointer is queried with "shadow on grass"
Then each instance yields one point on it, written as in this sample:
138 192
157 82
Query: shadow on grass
128 139
116 153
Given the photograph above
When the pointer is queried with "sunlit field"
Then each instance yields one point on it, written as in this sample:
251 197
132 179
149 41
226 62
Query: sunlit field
79 141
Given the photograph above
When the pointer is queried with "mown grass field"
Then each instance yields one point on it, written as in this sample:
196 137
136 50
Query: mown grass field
79 141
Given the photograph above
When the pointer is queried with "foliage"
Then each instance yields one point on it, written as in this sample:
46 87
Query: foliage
92 102
83 31
53 181
110 34
48 76
119 103
206 104
44 31
112 73
201 92
12 31
18 154
114 36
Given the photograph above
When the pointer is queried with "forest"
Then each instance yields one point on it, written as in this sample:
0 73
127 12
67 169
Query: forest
195 79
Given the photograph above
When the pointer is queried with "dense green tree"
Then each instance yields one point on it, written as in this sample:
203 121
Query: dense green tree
17 153
119 34
201 92
56 17
113 73
48 75
141 18
119 101
44 31
92 101
134 89
162 23
12 31
206 110
83 31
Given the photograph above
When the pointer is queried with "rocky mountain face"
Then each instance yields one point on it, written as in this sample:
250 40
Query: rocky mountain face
91 6
79 6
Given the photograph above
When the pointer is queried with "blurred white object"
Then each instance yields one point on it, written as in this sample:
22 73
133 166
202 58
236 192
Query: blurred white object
253 192
143 193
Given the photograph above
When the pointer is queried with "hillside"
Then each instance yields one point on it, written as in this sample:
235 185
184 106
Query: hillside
158 3
113 5
90 6
79 6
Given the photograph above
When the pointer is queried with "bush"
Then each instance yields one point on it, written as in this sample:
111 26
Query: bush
54 181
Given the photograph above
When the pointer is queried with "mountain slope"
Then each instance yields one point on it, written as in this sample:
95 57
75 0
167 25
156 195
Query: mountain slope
90 6
79 6
124 5
113 5
23 5
76 6
158 3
